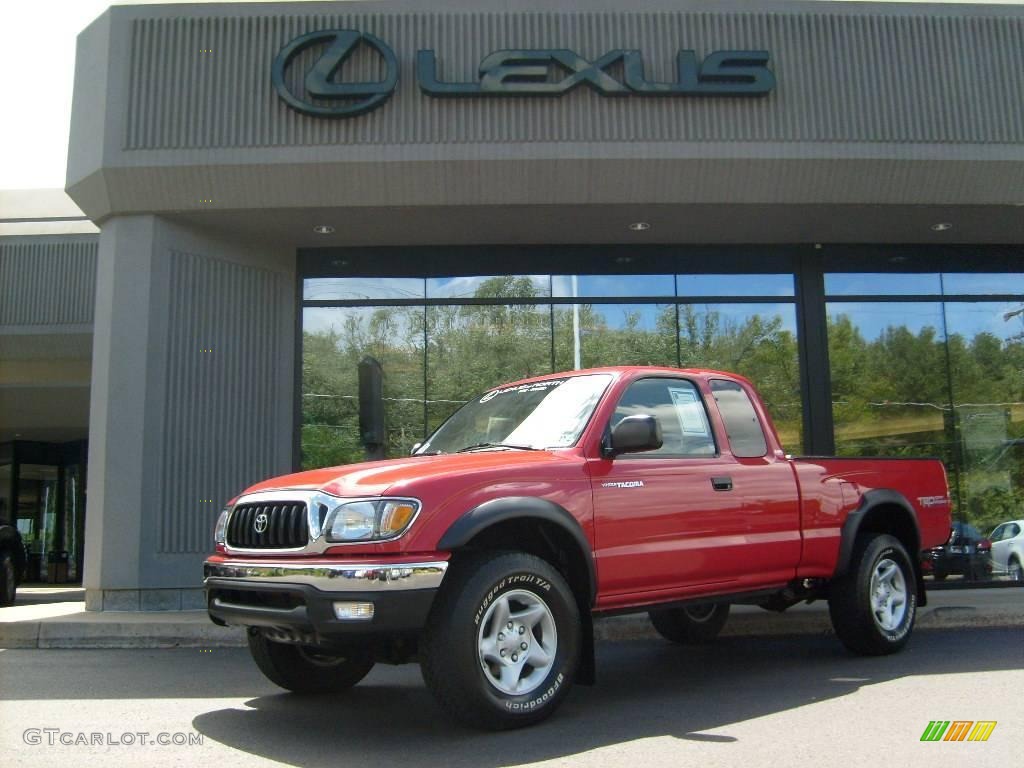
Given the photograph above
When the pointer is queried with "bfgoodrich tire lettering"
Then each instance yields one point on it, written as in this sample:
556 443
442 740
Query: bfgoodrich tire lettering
467 647
307 670
874 604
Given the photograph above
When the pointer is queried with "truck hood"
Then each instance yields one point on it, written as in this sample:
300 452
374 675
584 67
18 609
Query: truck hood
375 478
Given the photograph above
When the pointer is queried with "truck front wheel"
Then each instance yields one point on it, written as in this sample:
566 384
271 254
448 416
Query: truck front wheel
873 605
502 642
304 669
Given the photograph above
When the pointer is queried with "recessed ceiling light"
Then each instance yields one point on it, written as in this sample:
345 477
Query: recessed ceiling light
323 229
942 226
639 226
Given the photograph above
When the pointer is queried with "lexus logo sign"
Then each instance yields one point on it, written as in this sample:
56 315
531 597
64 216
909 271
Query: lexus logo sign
348 99
510 72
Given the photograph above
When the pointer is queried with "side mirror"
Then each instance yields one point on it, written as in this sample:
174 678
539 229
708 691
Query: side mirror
634 434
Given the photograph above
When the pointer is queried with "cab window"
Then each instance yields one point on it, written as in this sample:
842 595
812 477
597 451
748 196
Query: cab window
746 438
679 409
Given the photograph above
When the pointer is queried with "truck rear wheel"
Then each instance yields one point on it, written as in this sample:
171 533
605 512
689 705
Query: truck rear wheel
691 624
502 642
873 605
305 669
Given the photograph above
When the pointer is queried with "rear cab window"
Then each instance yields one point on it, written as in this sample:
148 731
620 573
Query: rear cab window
742 427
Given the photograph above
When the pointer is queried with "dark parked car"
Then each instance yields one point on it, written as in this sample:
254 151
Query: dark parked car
967 554
12 563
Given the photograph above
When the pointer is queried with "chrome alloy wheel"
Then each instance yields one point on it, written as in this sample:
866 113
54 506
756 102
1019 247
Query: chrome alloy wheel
888 595
516 642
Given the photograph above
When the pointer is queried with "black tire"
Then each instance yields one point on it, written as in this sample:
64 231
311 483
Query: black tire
8 579
475 592
850 599
691 625
304 669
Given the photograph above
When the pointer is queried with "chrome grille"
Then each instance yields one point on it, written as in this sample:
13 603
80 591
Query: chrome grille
286 526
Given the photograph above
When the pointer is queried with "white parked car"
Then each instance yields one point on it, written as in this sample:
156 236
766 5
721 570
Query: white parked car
1008 549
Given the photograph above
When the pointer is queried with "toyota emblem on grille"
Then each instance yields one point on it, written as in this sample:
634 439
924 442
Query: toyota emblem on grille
260 523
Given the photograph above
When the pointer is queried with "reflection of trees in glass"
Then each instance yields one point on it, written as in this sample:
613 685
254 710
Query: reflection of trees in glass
471 348
757 346
330 388
614 334
891 397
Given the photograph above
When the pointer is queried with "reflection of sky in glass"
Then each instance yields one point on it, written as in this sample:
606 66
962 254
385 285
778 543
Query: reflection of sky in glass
737 314
467 287
597 286
325 319
354 288
881 284
970 319
979 283
735 285
616 315
872 318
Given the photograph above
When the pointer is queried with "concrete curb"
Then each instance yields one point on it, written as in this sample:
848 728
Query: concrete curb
192 629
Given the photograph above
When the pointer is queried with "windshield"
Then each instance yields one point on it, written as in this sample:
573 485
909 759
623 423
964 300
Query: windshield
542 414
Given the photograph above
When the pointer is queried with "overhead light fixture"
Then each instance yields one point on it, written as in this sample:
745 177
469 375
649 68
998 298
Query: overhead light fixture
639 226
942 226
623 259
323 229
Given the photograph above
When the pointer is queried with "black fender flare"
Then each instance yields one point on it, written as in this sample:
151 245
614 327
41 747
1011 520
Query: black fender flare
870 501
517 508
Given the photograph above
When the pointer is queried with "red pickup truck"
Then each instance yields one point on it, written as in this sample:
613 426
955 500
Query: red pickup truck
544 504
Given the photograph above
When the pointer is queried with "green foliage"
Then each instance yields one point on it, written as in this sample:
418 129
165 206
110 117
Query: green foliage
891 394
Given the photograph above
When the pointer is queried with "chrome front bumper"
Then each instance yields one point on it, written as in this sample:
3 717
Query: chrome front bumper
339 577
296 602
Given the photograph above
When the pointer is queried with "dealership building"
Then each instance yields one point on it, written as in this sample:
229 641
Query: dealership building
825 196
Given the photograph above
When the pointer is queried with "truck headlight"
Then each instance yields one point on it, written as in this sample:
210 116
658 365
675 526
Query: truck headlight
220 531
370 520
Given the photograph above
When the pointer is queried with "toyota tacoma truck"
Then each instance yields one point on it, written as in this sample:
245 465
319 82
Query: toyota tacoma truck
544 504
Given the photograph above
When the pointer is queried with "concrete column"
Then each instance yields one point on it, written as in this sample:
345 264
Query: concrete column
193 346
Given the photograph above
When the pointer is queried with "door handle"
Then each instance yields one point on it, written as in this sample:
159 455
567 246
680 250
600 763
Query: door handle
722 483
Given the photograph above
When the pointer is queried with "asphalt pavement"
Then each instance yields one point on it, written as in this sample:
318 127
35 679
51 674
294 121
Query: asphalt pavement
794 700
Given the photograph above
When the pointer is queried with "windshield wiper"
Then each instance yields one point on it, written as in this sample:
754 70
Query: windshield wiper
497 445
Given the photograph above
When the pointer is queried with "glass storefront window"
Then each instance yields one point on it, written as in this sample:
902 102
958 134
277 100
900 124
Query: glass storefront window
471 349
37 515
6 513
986 352
614 334
734 285
598 286
758 341
882 284
335 339
979 283
445 340
490 287
362 288
889 394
